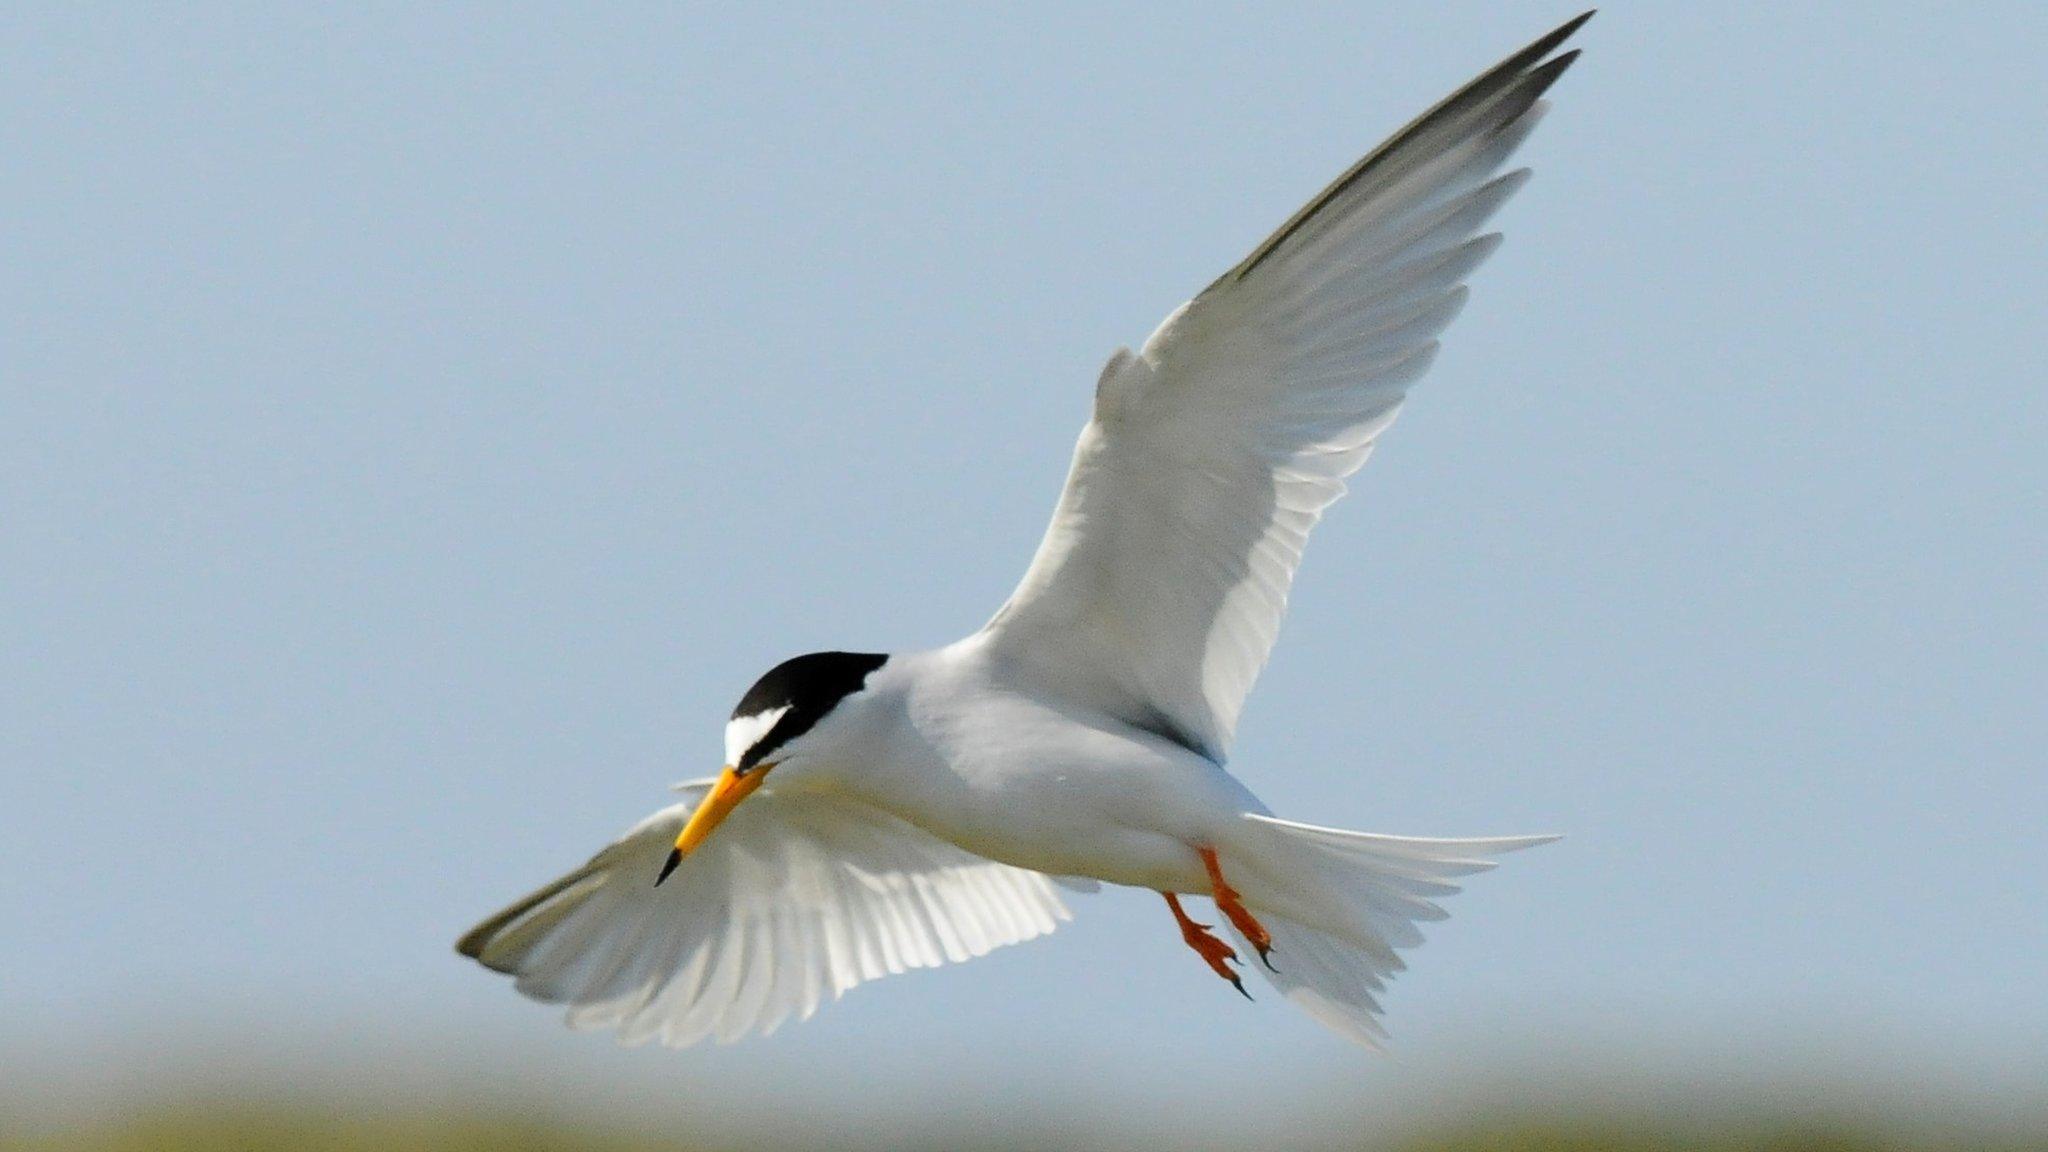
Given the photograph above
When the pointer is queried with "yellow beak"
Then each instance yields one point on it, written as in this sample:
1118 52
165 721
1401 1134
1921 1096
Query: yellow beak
725 795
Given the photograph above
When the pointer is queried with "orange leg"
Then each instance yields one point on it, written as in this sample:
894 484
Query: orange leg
1227 902
1214 952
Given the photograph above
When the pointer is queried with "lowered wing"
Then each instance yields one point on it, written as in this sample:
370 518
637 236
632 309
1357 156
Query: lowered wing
797 899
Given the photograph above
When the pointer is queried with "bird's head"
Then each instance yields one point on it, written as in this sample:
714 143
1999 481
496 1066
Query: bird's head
785 721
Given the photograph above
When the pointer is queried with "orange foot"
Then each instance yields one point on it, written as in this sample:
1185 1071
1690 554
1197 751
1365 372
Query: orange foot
1213 952
1227 902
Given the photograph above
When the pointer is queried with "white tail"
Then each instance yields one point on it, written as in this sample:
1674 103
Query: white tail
1340 904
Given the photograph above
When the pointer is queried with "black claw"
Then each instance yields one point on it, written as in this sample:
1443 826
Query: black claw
1264 954
675 857
1239 985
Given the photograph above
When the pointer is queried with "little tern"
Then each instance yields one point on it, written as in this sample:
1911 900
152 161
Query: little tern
881 813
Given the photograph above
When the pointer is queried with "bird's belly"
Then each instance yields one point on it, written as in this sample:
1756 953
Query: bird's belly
1118 822
1008 771
1114 854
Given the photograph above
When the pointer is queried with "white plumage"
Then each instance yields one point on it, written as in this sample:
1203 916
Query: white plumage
791 904
915 809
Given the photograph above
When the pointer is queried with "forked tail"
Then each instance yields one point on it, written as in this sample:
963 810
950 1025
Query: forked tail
1341 904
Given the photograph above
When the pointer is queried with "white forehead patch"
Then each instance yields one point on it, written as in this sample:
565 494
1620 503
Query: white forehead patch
743 732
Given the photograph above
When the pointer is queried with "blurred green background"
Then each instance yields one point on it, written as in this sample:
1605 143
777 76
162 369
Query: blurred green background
239 1128
243 1126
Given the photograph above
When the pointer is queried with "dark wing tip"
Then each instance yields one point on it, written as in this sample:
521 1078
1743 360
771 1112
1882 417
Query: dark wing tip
1541 77
472 942
475 940
1556 65
1565 30
1525 68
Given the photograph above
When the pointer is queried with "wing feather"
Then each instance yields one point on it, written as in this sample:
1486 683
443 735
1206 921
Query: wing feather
796 900
1160 585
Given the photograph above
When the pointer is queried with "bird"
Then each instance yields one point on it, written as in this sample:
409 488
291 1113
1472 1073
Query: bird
883 812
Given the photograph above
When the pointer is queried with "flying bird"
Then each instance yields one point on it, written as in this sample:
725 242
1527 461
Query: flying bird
878 813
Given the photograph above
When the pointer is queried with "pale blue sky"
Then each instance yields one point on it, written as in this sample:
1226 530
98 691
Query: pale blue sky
417 428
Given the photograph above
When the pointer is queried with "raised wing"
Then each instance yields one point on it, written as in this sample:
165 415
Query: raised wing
796 899
1160 585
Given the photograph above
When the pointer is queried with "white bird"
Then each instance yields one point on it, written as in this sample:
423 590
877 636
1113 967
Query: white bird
881 813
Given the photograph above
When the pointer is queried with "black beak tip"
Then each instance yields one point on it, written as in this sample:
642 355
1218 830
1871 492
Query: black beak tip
675 857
